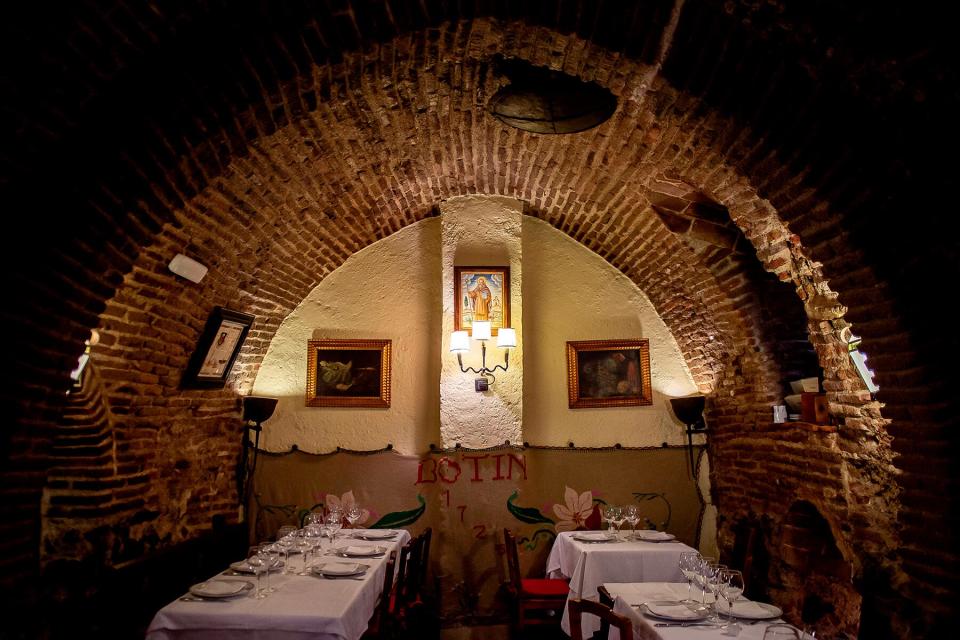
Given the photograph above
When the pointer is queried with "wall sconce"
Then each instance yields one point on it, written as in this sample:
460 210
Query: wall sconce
460 344
256 409
689 411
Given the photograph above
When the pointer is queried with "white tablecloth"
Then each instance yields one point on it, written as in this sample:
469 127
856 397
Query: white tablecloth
635 593
303 607
588 565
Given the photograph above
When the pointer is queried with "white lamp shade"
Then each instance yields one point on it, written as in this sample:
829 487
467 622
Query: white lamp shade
459 342
481 330
506 338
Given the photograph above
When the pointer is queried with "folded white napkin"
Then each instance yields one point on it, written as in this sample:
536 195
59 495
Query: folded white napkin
751 609
641 630
340 568
359 550
217 588
646 534
592 535
677 611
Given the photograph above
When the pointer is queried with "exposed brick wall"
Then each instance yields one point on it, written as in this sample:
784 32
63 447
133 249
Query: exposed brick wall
262 143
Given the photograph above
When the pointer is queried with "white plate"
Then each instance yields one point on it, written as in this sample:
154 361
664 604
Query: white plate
354 551
221 588
750 610
593 536
243 567
673 610
339 568
373 534
654 536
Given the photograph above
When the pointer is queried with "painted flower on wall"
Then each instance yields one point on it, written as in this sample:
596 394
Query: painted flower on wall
343 503
574 514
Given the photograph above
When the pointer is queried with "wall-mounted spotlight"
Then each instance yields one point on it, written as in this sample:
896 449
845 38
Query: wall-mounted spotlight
460 344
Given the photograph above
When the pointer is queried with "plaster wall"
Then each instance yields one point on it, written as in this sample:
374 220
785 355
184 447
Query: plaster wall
571 293
389 290
481 231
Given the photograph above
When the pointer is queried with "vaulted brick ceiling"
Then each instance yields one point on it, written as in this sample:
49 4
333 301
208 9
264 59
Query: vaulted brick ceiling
273 141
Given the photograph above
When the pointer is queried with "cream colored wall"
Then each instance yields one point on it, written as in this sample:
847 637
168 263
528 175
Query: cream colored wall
571 293
392 289
388 290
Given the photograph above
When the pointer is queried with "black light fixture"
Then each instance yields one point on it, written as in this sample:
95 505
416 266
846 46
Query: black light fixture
256 410
689 411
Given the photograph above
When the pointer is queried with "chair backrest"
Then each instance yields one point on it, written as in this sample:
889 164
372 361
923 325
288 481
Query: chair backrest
606 600
384 606
578 607
513 560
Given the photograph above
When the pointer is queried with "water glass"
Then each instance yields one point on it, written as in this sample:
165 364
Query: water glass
632 515
730 589
256 563
270 553
285 541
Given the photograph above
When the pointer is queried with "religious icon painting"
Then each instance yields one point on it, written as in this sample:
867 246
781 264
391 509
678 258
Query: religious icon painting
481 293
609 373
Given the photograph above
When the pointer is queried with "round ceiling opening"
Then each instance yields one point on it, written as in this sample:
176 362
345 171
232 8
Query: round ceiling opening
539 100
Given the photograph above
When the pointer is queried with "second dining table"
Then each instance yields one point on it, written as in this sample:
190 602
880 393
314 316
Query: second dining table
591 559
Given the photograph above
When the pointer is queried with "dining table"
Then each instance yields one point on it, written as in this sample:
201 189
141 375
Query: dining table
636 595
302 607
590 559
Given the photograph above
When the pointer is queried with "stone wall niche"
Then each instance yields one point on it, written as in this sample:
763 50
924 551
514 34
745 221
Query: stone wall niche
481 231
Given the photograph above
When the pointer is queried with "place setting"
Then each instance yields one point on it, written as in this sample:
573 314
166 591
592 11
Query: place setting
594 537
375 534
340 570
218 590
358 551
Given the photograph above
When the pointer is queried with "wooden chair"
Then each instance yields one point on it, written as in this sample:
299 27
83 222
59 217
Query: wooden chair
379 623
577 608
403 611
536 601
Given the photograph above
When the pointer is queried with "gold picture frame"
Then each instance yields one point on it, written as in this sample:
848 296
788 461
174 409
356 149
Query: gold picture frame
609 373
481 293
348 373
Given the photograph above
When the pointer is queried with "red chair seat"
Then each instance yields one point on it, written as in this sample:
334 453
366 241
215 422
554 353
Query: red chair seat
544 587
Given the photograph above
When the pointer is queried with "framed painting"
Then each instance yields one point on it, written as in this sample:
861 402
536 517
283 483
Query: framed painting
481 293
609 373
217 348
348 373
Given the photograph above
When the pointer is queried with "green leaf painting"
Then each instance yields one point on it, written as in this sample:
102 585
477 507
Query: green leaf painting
401 518
530 515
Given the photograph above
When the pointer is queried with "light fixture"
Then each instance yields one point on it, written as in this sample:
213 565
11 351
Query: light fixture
256 409
460 344
689 411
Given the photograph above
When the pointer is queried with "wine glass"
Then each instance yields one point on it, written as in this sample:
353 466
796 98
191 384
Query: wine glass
334 522
715 575
285 542
610 514
689 565
303 544
270 554
780 632
313 536
621 517
632 515
354 513
256 564
703 571
731 586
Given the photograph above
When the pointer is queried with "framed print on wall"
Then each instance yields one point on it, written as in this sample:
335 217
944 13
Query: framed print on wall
348 373
609 373
481 293
217 349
